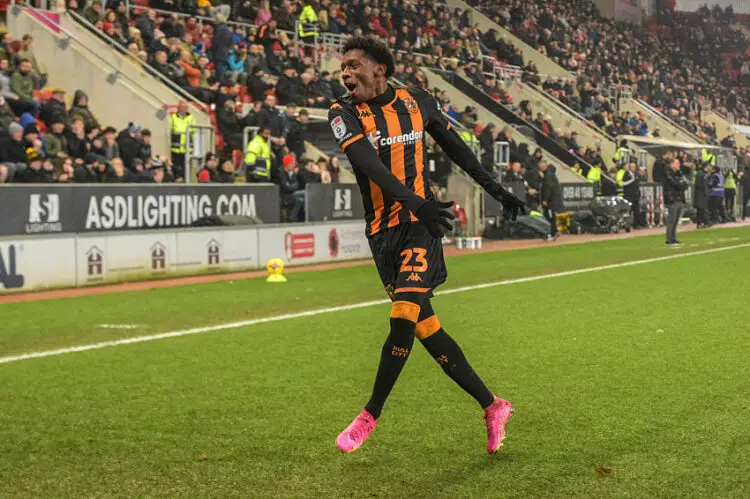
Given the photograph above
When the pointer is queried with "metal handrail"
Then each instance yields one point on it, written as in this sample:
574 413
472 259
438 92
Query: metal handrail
202 19
180 91
667 119
564 108
41 13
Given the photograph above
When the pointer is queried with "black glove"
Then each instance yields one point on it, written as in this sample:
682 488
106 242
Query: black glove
433 216
512 205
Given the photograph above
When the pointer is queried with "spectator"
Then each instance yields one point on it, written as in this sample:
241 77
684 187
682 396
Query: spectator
54 108
551 196
6 113
180 122
289 86
291 189
89 170
333 167
33 174
110 148
221 42
78 142
81 108
129 142
208 173
12 150
144 145
27 53
258 156
271 117
226 174
297 134
22 85
116 173
309 174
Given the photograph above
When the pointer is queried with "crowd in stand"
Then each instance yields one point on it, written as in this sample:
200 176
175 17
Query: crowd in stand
47 138
677 66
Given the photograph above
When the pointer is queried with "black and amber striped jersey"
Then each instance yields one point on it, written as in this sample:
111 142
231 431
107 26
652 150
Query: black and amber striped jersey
395 124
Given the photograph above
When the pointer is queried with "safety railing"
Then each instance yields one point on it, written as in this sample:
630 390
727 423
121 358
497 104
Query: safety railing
199 141
67 38
501 155
565 109
148 67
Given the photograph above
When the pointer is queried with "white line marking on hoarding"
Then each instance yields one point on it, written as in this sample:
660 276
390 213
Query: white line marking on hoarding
353 306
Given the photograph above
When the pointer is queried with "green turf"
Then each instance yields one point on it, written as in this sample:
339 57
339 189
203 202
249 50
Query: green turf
641 370
35 326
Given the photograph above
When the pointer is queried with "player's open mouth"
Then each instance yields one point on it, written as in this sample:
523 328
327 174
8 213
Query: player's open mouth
351 87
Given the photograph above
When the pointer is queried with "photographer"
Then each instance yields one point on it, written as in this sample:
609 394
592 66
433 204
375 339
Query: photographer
675 185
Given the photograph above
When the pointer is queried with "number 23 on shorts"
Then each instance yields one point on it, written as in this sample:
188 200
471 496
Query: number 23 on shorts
419 263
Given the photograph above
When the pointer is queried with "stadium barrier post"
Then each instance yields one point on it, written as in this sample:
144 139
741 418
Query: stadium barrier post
197 145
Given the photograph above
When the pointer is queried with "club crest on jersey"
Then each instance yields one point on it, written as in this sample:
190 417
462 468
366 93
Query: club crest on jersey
338 126
411 105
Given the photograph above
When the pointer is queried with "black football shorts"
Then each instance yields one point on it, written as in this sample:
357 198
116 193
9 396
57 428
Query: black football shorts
408 259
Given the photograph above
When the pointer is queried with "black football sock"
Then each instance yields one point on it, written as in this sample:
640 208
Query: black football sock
451 358
392 360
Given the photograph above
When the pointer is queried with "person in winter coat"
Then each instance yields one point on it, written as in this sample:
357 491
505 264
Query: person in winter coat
54 109
745 182
675 185
551 196
631 186
231 126
295 138
117 174
221 43
292 189
81 108
128 141
700 198
487 146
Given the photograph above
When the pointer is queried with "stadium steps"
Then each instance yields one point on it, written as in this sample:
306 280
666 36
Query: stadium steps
564 118
461 100
115 97
545 65
723 128
654 119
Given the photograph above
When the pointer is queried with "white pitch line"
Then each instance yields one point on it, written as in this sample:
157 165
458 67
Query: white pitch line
353 306
118 326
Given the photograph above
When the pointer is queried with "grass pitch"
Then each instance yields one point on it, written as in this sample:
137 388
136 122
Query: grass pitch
628 382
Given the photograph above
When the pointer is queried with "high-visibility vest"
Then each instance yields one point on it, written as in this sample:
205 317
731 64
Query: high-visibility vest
258 157
595 177
729 182
620 177
469 138
708 158
179 125
308 16
621 155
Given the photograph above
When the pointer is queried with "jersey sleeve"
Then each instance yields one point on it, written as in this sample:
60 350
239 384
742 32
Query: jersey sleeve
432 113
345 126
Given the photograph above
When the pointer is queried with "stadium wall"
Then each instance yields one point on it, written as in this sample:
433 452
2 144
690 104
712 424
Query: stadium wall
32 263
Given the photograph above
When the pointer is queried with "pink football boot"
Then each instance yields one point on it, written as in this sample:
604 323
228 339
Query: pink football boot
356 433
496 417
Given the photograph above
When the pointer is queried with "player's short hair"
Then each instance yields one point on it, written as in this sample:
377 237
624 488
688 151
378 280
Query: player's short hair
374 49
